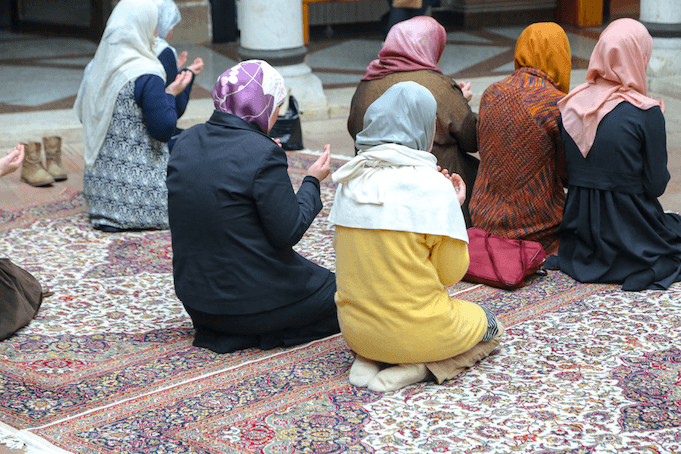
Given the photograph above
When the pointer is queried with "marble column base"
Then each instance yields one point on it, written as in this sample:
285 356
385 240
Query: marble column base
305 86
665 62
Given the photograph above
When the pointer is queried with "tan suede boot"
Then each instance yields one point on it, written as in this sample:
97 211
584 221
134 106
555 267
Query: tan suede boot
32 170
53 158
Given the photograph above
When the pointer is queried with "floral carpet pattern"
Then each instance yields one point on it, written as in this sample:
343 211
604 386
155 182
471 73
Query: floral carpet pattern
107 366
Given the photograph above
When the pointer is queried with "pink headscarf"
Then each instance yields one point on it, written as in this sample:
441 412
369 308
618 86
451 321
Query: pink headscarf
617 73
250 90
411 45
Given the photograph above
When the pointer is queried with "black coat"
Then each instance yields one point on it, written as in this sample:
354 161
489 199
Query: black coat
234 218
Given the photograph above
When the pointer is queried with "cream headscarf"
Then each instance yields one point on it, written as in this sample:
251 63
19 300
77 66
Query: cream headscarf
617 73
125 53
393 182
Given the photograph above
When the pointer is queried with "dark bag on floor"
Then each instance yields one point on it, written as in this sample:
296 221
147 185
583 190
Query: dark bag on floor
20 298
287 128
502 262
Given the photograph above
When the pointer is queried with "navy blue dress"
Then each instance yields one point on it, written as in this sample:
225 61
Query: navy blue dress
234 219
614 229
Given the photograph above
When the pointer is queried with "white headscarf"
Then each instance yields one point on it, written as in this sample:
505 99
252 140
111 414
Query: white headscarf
393 182
168 18
124 54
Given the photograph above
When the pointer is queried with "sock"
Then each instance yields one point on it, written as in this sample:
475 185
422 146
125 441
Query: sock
396 377
362 371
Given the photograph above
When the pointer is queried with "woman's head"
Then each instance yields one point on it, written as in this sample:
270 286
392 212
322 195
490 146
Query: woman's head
411 45
168 17
622 54
132 23
405 115
251 90
421 39
545 46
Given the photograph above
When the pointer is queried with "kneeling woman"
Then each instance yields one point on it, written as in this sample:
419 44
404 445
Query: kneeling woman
400 239
234 218
128 116
614 229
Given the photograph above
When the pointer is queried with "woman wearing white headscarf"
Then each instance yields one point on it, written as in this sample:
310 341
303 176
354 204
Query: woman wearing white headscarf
400 239
128 116
168 18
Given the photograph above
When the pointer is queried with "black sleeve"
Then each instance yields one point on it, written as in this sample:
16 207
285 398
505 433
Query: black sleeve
285 215
655 172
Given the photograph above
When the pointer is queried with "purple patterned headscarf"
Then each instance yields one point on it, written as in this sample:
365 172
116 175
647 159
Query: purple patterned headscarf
251 90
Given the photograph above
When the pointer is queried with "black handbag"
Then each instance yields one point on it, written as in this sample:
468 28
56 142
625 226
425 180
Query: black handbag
287 128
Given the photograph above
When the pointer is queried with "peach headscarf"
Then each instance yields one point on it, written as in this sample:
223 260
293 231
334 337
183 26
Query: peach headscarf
411 45
545 46
617 73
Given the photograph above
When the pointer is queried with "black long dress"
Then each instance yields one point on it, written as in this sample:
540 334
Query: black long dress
614 229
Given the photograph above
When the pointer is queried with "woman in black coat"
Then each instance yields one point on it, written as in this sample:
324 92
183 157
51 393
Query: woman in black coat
614 229
234 218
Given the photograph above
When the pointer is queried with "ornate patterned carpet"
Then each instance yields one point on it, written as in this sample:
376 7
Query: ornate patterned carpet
107 366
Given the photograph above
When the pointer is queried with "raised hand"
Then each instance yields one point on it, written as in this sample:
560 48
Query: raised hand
457 182
322 167
197 66
12 161
466 90
180 83
181 60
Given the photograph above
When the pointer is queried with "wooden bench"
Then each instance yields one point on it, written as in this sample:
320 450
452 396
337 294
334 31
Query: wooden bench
306 15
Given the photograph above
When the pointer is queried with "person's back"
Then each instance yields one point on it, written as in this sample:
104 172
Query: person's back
519 189
411 52
218 220
519 192
235 217
629 153
400 239
614 229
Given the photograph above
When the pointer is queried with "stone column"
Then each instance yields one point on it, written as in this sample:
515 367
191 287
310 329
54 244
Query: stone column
663 20
272 30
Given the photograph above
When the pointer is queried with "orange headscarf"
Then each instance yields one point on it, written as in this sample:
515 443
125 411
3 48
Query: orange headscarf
617 73
545 46
411 45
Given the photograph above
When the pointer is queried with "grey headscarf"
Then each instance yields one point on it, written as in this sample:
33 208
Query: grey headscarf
405 114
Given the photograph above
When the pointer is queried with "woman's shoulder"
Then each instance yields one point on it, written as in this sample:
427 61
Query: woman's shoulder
626 112
149 81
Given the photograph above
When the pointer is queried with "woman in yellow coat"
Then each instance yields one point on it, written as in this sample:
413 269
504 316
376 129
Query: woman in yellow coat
400 239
